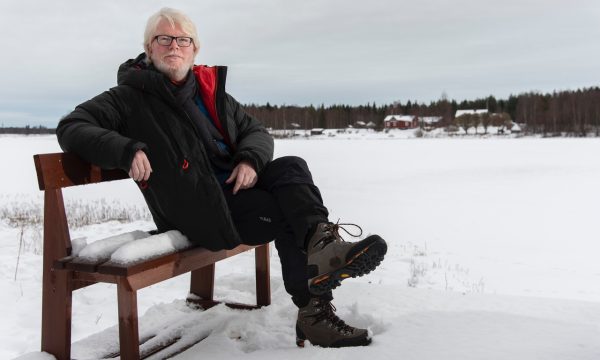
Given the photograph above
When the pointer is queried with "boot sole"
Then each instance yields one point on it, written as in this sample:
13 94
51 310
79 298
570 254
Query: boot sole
348 342
361 264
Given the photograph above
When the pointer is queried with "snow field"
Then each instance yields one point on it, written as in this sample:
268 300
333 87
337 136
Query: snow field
492 254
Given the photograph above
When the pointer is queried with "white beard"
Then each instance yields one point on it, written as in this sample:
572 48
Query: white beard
174 73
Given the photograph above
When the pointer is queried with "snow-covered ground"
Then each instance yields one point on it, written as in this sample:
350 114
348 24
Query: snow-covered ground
492 255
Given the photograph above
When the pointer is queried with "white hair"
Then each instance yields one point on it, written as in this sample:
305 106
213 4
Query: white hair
174 17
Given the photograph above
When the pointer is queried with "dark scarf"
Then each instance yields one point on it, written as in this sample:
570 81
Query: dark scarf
184 97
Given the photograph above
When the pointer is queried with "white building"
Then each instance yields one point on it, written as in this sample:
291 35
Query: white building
476 112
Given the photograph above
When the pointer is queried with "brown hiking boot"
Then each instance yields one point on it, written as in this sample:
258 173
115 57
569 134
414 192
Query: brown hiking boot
331 259
318 323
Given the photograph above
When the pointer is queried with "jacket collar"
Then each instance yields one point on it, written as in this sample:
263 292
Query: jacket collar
141 74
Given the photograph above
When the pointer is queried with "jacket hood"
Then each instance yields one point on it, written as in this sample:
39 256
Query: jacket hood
129 67
138 73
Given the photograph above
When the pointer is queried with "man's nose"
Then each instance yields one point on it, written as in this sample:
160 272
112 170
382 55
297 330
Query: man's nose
174 45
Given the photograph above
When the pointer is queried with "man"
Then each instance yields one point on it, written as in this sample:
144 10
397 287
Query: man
205 168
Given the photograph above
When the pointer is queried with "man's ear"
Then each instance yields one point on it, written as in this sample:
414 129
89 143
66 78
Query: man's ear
149 56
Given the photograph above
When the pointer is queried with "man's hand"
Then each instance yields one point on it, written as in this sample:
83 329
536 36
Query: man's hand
244 176
140 167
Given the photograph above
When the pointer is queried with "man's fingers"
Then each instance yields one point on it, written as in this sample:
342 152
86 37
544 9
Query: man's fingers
138 170
147 167
238 184
253 182
244 181
250 178
244 176
135 170
232 176
140 167
141 171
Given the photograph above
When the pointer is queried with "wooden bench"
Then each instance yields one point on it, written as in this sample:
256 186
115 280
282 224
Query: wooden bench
63 273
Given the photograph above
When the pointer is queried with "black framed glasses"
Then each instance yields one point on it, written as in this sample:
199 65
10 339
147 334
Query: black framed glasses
166 40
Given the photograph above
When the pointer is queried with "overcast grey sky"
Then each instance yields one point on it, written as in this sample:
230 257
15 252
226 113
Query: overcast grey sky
60 53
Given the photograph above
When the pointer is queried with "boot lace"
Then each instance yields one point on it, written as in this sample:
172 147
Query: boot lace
327 314
332 232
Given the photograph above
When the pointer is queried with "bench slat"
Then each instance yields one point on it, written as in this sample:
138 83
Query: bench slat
189 259
84 265
184 259
78 264
61 264
59 170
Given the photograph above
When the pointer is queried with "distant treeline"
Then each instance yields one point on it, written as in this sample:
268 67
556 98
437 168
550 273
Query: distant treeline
572 113
27 130
566 112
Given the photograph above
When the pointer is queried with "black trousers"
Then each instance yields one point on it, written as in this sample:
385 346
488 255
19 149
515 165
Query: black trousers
283 206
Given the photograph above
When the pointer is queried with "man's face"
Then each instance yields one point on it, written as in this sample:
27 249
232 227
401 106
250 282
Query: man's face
173 60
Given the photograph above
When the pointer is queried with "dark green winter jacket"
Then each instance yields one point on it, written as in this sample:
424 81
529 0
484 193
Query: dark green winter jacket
140 113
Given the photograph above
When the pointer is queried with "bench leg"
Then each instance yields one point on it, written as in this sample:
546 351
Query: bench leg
57 290
56 314
263 275
129 341
202 282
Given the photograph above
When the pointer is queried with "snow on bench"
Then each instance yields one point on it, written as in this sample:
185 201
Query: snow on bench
134 247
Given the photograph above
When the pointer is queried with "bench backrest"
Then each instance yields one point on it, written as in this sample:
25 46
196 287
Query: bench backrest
54 172
60 170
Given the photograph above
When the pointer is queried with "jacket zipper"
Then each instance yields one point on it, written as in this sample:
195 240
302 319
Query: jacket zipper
199 139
